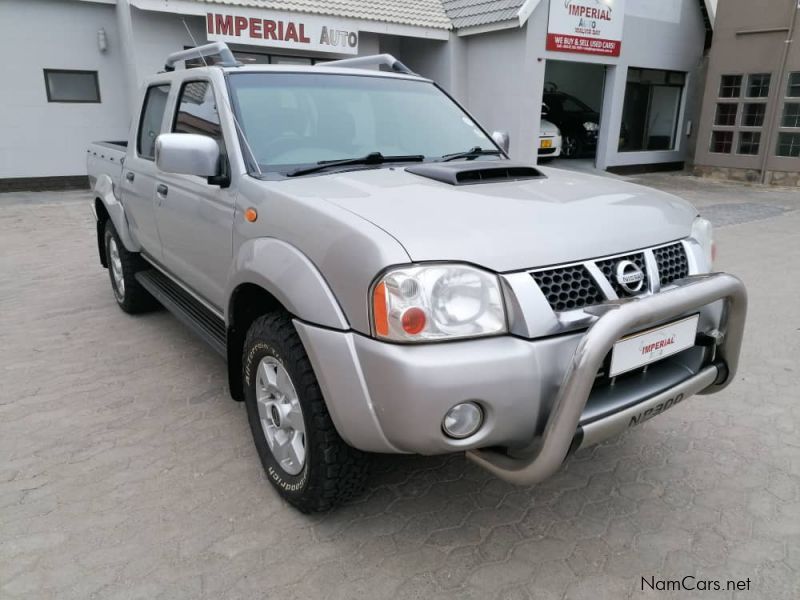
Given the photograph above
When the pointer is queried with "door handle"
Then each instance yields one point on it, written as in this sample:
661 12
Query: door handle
130 176
162 189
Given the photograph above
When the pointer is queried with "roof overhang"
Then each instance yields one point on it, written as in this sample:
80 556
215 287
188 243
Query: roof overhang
522 16
190 7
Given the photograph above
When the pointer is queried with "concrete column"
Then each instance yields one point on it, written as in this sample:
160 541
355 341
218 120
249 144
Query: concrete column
611 117
126 44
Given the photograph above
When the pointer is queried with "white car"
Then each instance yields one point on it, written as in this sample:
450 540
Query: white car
549 140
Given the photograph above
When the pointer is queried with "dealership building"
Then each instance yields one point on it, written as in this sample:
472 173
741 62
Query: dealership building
750 126
631 70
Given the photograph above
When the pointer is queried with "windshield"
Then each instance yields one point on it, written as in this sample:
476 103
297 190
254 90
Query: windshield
295 119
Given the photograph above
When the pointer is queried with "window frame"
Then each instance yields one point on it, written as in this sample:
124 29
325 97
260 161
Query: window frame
225 174
735 106
745 104
738 96
750 76
790 85
738 148
51 99
732 142
796 115
778 145
138 139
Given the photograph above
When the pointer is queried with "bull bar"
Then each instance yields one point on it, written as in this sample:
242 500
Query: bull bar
544 456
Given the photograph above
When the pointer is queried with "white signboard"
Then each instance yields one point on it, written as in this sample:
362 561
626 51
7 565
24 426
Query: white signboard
296 31
586 26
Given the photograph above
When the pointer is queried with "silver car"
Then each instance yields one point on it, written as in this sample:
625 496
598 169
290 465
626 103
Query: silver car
381 278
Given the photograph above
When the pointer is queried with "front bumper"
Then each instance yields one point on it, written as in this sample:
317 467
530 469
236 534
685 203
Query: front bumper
537 462
392 398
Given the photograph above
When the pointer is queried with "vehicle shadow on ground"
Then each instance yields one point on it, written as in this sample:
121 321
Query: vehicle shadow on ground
447 502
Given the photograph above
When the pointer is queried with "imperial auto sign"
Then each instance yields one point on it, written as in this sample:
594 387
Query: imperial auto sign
283 30
586 26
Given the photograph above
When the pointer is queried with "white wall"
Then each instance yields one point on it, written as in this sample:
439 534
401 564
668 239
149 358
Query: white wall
40 138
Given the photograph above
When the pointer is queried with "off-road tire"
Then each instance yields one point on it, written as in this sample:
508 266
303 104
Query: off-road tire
134 298
333 472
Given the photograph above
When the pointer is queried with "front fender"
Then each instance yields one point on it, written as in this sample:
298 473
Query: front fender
287 274
103 189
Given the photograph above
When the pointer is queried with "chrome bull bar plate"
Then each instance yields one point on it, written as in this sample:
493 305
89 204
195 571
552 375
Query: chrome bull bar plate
646 347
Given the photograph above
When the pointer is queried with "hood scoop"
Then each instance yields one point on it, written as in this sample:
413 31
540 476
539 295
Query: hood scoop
474 172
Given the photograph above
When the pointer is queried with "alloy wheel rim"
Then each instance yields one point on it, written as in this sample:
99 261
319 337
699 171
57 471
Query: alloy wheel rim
570 146
116 269
281 415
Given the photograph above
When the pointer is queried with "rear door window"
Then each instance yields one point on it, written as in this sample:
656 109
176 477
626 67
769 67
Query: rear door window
155 103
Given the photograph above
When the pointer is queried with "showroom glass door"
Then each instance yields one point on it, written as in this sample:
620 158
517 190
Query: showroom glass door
651 110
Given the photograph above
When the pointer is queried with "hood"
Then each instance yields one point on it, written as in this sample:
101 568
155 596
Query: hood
546 128
509 225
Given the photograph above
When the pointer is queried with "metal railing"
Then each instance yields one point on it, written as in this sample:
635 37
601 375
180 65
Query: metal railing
213 49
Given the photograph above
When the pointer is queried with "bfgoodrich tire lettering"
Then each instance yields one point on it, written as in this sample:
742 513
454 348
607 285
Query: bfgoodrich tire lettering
332 471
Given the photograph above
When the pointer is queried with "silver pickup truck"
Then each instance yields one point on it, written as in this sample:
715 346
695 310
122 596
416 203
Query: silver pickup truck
381 277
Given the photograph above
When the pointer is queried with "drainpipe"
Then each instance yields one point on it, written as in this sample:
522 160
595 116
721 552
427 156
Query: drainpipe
125 29
774 112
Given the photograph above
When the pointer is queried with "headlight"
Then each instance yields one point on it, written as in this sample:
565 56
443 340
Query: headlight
591 126
703 234
437 302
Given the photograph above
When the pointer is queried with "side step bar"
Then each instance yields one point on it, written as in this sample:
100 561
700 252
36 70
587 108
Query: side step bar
187 309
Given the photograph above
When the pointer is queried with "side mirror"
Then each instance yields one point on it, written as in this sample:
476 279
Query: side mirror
187 154
545 109
501 139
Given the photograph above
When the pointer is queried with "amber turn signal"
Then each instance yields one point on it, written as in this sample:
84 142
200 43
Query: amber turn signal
379 311
251 215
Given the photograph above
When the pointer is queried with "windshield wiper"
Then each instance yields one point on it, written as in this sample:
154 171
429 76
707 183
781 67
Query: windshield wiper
373 158
471 153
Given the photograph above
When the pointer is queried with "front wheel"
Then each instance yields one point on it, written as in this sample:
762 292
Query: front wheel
304 457
571 147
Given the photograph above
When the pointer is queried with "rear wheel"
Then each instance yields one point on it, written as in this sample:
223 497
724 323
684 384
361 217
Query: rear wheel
122 269
304 457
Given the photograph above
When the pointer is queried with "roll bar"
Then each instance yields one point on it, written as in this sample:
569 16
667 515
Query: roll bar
359 62
212 49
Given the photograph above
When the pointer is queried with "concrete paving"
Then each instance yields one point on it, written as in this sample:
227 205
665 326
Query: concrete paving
127 472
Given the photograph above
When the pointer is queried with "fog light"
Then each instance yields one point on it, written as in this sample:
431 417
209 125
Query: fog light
462 420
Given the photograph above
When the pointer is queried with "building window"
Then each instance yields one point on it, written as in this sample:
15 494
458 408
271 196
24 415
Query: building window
758 85
71 86
721 142
749 142
753 114
793 89
726 114
789 144
651 110
730 86
155 104
791 115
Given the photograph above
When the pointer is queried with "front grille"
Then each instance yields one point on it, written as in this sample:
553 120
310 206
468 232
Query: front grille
573 286
568 288
672 263
609 266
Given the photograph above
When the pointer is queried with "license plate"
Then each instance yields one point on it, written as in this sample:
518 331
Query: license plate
644 348
546 144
